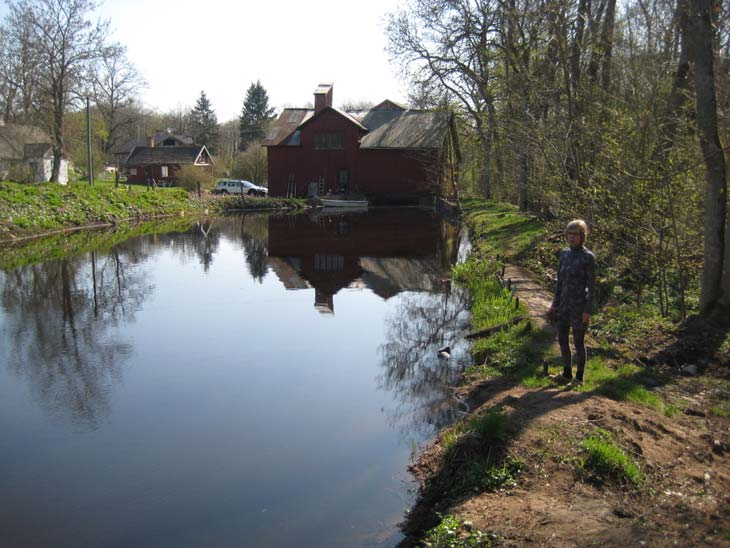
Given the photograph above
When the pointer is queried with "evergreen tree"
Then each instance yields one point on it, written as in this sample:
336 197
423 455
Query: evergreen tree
204 124
255 114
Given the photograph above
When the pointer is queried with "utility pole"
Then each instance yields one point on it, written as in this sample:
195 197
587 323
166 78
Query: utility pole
88 141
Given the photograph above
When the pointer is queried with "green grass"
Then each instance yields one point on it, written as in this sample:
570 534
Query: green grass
484 474
721 410
628 323
488 428
452 534
627 382
472 442
27 209
501 229
604 461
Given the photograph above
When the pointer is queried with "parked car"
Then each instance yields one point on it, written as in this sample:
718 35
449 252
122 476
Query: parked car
237 186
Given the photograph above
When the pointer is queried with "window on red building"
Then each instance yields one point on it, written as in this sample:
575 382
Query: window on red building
328 141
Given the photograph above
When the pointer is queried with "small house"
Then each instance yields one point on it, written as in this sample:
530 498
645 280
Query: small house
148 164
390 153
26 154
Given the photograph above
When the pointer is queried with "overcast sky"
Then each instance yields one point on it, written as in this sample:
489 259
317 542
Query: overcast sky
222 46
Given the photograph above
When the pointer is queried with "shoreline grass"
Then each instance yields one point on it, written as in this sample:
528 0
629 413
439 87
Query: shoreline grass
39 208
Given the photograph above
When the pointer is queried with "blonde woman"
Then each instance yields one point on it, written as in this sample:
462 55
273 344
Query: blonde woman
573 300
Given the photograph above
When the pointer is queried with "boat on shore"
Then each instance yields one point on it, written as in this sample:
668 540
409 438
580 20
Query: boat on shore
343 203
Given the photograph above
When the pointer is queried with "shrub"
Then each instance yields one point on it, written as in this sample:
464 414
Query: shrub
193 178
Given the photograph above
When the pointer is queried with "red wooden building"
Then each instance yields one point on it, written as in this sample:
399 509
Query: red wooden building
389 153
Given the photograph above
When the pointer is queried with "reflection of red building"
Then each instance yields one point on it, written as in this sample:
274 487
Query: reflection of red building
390 153
329 252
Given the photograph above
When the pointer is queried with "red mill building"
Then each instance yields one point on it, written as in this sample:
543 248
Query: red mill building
389 153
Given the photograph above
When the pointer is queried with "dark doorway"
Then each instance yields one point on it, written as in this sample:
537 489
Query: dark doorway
343 180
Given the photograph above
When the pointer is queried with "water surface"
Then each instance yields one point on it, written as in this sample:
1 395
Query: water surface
252 381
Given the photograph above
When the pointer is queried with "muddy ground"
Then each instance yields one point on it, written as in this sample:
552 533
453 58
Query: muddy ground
685 499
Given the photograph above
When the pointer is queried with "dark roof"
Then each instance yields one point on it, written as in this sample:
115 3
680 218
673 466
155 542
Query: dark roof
415 129
37 150
152 156
288 121
395 127
14 138
160 137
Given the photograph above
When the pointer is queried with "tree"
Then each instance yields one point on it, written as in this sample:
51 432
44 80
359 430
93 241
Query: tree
715 277
252 164
449 47
18 72
66 42
116 85
204 124
255 115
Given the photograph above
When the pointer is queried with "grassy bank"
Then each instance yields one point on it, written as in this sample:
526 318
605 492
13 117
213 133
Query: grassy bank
526 430
31 209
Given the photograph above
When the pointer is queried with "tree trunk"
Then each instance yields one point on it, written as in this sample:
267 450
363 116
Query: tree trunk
577 45
607 44
667 133
485 136
700 33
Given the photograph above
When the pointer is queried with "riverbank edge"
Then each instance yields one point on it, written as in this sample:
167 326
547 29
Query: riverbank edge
99 206
442 518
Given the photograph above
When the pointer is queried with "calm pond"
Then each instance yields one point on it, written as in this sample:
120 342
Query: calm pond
257 381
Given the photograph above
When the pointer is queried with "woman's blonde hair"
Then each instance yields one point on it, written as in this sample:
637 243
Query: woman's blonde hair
582 228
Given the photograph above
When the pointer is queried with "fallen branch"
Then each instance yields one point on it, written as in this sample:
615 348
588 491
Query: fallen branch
494 329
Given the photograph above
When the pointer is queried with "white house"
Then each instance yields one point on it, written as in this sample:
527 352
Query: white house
26 154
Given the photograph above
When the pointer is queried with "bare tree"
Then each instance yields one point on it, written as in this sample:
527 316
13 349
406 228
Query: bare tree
116 84
18 71
66 42
448 46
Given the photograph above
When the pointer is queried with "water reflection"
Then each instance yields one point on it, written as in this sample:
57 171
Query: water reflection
221 431
386 250
421 324
56 326
391 252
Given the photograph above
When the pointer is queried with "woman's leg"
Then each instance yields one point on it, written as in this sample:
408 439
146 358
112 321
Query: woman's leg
580 352
563 329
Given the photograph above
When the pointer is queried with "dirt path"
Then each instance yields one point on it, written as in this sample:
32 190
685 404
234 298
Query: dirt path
532 293
683 501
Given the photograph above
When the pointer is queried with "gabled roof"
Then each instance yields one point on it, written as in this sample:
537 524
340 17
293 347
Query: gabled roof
387 125
342 113
15 137
152 156
160 137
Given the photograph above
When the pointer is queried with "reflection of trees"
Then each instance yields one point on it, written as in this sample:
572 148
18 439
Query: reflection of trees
420 325
199 242
206 246
56 326
253 233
